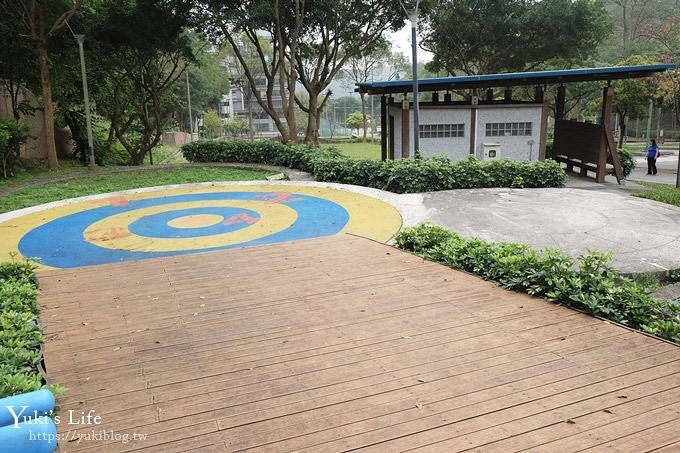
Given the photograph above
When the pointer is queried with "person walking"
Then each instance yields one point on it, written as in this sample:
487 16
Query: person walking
652 155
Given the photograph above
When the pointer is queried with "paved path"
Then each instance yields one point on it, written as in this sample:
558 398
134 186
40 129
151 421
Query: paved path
643 235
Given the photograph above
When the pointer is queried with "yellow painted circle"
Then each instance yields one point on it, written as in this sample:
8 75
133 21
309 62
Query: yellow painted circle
196 221
113 233
369 217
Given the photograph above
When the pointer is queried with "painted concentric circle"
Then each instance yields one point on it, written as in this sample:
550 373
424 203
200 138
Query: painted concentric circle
104 235
149 224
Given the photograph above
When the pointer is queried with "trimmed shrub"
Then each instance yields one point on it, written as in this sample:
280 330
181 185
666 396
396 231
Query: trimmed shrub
399 176
20 331
587 284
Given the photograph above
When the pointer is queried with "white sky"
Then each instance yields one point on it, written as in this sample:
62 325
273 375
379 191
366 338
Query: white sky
401 42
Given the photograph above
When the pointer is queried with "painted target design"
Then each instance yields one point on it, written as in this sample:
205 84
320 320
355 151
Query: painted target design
180 224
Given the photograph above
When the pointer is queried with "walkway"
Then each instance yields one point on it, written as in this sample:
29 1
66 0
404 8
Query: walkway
342 343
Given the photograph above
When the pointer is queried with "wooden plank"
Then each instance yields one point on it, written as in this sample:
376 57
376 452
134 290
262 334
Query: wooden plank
616 430
672 447
472 404
554 424
346 343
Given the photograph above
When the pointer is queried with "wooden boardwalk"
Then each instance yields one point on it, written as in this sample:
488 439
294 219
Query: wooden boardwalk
341 344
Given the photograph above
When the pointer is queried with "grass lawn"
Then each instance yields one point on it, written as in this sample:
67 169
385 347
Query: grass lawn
31 170
369 151
96 183
664 193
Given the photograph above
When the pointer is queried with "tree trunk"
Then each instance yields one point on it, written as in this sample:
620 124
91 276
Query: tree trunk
137 158
677 177
251 134
363 113
48 117
312 133
291 120
622 135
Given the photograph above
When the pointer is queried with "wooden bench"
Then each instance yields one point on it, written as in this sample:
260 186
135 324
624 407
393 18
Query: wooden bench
571 162
584 167
586 146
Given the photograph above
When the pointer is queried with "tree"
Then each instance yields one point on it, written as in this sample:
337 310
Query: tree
668 36
355 120
362 68
631 19
147 51
236 126
262 35
208 81
43 19
341 108
491 36
212 124
298 41
335 32
396 67
13 76
631 96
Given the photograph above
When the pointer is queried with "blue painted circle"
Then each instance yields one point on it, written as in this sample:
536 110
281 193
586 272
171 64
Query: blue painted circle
60 242
156 225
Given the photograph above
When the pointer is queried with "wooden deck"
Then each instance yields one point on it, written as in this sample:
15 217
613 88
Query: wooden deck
339 344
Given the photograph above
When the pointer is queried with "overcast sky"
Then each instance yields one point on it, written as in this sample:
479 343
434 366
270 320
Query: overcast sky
401 41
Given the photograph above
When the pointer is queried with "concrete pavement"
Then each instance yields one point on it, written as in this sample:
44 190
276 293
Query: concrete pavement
643 235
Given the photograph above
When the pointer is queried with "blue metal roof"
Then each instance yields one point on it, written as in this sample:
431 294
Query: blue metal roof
516 79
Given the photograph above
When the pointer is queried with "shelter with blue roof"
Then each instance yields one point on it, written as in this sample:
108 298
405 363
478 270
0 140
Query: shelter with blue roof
492 124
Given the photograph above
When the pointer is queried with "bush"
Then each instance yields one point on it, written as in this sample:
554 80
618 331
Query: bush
627 161
20 330
399 176
674 275
104 152
587 284
12 135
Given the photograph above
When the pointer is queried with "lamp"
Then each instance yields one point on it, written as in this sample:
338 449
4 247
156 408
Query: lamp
413 18
88 119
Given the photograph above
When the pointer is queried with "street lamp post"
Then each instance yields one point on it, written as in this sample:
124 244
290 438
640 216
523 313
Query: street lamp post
191 120
413 17
88 120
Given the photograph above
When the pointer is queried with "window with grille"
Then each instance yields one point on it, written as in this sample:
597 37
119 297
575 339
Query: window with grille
442 130
507 129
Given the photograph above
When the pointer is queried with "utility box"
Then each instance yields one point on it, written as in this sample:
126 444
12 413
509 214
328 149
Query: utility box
491 151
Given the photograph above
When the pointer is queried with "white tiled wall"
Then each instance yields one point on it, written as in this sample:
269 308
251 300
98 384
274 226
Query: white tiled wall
456 148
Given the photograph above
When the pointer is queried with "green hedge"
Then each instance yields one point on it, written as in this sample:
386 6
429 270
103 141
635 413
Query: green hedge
587 284
20 330
302 157
400 176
